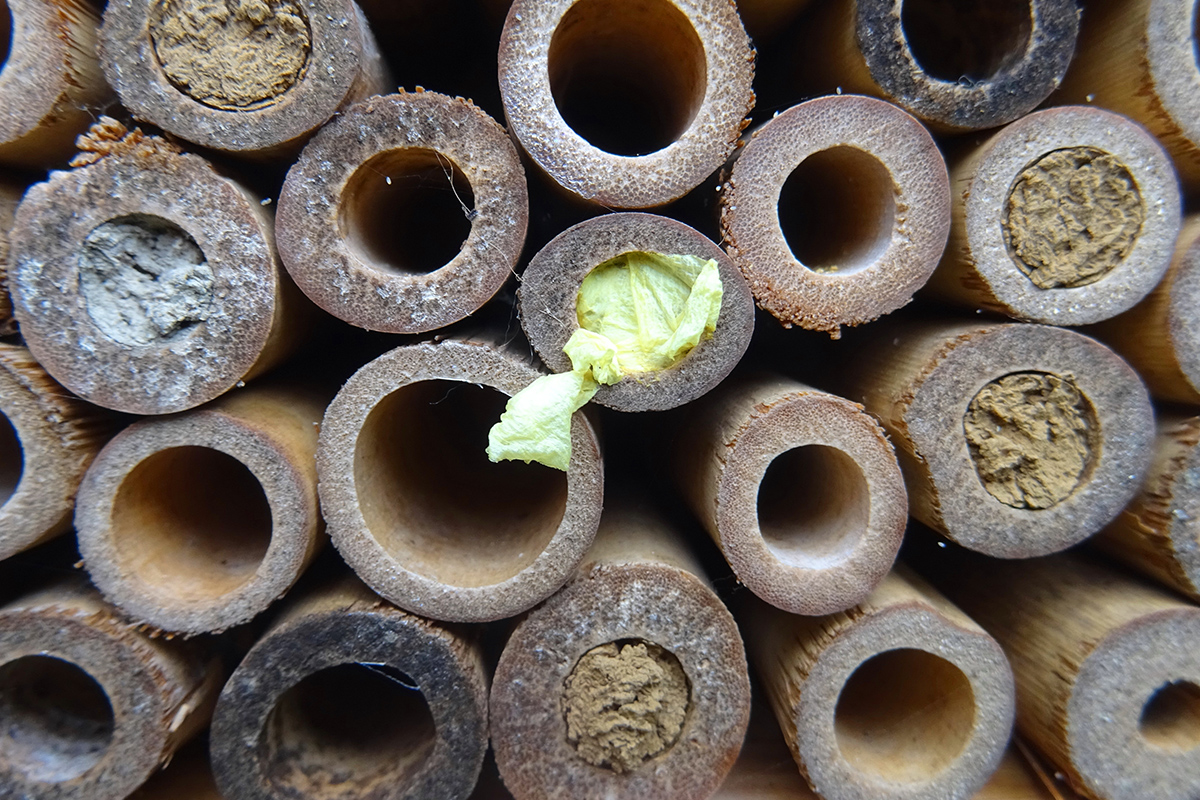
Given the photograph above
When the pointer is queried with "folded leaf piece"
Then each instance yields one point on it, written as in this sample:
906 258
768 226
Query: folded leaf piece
640 312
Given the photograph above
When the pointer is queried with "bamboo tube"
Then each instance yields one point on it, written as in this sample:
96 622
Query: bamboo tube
196 523
405 214
956 66
832 223
1160 336
47 440
627 105
51 86
250 78
1156 534
550 290
90 705
1015 440
346 696
417 510
145 282
1107 669
903 696
1067 216
765 769
799 488
10 196
1138 58
631 682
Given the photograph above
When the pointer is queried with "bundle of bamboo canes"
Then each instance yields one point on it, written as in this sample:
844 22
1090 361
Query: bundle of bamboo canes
258 297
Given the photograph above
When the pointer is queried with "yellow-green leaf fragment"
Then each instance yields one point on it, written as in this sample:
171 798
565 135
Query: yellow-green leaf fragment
640 312
653 307
536 423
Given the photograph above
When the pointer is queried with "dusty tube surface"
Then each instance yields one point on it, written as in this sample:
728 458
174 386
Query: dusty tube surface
1066 217
51 85
956 66
250 78
630 106
799 488
90 705
416 508
904 696
198 522
630 682
380 704
1157 532
1015 440
1107 669
145 282
831 223
549 300
1139 59
1160 336
405 214
48 438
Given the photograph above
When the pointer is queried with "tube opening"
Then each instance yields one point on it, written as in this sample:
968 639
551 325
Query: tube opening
964 41
629 77
814 505
144 280
433 500
12 459
1171 717
407 212
837 210
191 523
351 730
905 715
625 702
57 721
237 56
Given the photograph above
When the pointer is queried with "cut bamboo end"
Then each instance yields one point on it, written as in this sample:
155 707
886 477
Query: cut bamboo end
630 682
627 106
381 704
254 80
10 195
1015 440
145 282
90 705
198 522
1067 217
47 440
549 297
405 214
51 86
831 223
1160 336
1158 533
901 697
957 67
800 489
1107 670
416 508
1139 59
